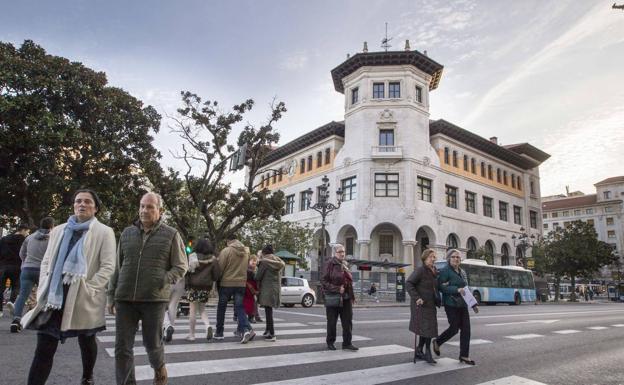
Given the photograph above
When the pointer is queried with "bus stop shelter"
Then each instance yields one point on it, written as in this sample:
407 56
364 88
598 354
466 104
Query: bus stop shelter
366 265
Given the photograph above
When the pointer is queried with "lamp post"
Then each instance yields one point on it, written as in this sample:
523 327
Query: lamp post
323 207
524 241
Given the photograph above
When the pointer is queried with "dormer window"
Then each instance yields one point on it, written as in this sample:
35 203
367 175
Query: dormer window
379 91
418 94
394 90
355 93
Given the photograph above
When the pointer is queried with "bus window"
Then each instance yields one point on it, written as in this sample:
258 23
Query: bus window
515 279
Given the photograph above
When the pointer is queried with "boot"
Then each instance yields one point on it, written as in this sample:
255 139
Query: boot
428 357
160 376
418 355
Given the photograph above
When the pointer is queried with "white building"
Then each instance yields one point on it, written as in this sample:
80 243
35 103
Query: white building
408 182
604 210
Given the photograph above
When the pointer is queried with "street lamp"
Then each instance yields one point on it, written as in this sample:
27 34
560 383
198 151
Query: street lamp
323 207
524 241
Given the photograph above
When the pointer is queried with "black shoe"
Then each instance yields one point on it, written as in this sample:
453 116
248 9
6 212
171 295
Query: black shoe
169 333
218 336
418 355
428 358
266 333
252 320
467 361
16 327
436 347
350 348
258 319
87 381
331 347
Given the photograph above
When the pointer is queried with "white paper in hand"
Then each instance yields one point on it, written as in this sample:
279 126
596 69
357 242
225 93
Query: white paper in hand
469 298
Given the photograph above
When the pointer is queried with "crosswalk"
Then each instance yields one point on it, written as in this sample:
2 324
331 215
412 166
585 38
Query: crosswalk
300 344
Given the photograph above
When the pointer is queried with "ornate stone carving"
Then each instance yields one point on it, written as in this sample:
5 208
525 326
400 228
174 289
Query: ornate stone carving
386 115
438 217
426 161
347 161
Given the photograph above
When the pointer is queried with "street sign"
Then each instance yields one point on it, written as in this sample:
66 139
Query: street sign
364 267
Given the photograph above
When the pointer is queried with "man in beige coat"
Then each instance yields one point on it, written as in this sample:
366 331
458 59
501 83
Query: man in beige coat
71 298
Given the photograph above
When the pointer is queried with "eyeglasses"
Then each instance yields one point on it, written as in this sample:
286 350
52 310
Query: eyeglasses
340 252
456 256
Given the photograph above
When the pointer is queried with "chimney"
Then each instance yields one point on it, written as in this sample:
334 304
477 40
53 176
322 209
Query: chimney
567 191
425 52
365 50
407 46
348 55
494 140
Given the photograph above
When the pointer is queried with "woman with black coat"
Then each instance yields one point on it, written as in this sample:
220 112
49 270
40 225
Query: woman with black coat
422 288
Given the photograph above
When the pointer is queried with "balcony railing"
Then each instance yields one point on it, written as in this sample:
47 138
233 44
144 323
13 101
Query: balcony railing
387 152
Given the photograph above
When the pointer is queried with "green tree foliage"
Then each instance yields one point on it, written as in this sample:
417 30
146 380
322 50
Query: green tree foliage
199 200
61 128
483 254
575 252
283 235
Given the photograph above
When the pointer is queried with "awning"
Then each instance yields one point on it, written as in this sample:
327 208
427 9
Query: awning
384 264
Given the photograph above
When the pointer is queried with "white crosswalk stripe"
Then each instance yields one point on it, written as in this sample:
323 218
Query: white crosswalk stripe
181 336
472 342
597 327
200 326
524 336
512 380
567 331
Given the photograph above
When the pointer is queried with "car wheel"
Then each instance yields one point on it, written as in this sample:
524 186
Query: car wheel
288 304
307 300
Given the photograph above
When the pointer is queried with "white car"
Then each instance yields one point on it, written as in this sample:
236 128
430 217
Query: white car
297 291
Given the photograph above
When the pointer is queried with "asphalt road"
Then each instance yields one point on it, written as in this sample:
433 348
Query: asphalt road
527 344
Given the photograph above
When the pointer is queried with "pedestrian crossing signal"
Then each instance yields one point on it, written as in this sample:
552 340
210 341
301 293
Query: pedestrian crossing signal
189 247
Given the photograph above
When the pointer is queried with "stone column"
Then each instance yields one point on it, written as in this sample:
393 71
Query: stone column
408 256
364 248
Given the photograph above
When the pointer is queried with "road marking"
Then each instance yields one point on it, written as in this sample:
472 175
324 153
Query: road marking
618 326
194 368
567 331
200 326
597 327
546 321
181 336
219 346
378 375
512 380
546 314
186 320
377 321
472 342
524 336
299 313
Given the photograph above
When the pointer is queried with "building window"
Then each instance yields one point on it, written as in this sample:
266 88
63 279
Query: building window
454 158
490 174
518 215
319 159
555 225
310 163
419 94
268 178
502 211
487 207
607 194
394 90
386 185
262 181
378 91
483 169
302 166
355 94
465 162
473 166
577 212
545 226
451 242
349 189
327 155
472 247
533 219
424 189
451 196
505 178
608 209
590 222
498 175
532 187
274 177
589 211
305 199
446 155
290 204
555 215
513 181
544 216
566 224
611 234
609 221
349 241
519 185
470 202
280 175
386 242
386 137
565 214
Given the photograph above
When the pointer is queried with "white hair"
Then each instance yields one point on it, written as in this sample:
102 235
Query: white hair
158 198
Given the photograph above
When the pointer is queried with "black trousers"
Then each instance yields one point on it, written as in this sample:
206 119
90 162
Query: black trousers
44 357
12 273
346 318
459 320
268 314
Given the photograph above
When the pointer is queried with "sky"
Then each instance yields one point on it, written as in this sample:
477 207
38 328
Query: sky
545 72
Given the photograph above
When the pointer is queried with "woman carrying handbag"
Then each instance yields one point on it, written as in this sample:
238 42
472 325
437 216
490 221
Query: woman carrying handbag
422 288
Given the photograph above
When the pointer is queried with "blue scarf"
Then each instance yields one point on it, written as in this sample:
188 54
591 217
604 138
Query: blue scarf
67 269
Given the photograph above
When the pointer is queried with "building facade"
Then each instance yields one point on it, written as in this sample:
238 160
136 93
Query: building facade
604 210
407 182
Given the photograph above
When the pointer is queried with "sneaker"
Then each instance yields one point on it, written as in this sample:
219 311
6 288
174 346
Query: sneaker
436 347
218 336
209 333
190 338
270 338
1 314
248 336
237 334
16 326
169 333
11 308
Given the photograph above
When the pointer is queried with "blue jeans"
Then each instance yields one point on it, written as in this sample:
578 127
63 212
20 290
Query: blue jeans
28 278
225 293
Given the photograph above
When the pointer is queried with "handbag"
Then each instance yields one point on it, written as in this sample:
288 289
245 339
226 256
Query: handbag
333 300
200 279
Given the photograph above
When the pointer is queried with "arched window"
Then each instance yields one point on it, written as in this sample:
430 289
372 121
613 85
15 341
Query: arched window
489 248
505 256
471 245
452 242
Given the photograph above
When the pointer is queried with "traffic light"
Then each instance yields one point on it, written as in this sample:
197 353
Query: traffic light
189 247
238 159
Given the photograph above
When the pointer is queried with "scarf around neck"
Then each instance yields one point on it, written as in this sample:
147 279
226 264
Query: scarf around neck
69 265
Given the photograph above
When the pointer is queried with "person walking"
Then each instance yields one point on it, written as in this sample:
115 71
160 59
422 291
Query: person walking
451 282
422 287
150 259
372 291
71 297
251 290
31 253
337 284
202 274
233 262
269 276
10 263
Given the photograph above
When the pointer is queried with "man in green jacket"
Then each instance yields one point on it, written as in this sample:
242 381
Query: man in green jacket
150 259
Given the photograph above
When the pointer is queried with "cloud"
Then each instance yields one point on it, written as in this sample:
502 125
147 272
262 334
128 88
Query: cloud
294 61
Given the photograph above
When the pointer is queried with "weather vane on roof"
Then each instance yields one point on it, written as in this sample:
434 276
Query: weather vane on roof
385 42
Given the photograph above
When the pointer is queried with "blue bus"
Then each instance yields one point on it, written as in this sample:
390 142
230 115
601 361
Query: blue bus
498 284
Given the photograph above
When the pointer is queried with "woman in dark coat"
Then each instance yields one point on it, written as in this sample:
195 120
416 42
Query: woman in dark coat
269 277
422 288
